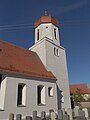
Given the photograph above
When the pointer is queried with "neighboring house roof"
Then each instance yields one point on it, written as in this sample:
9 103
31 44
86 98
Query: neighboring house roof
46 19
16 59
83 87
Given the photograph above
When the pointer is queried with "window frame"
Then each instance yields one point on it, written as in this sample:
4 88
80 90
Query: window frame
41 95
50 92
21 95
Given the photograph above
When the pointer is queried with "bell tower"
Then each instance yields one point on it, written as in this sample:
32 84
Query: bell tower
53 56
47 26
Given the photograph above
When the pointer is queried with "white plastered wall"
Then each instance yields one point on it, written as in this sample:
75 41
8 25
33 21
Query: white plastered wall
56 64
2 92
10 101
47 30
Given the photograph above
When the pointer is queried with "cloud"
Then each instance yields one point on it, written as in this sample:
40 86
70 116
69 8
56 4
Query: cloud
71 7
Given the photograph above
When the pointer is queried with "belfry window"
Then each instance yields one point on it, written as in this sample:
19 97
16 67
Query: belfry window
56 51
21 97
38 34
40 95
55 33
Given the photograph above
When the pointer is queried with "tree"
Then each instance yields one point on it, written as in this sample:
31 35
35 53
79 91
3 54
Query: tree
78 97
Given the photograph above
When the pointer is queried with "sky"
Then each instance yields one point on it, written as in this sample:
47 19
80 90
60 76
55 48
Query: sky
17 19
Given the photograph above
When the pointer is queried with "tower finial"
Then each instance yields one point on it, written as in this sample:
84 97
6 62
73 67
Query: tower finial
46 13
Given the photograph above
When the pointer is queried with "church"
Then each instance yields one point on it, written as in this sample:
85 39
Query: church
35 78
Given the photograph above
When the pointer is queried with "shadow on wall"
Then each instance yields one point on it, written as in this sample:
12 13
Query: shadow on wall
59 97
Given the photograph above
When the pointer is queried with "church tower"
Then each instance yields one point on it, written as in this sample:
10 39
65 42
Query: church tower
47 26
53 56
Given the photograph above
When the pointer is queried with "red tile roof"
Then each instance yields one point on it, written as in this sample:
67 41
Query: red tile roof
16 59
46 19
82 87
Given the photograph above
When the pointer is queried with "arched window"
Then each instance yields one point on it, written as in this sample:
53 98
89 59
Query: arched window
55 35
38 34
21 96
40 95
56 51
50 91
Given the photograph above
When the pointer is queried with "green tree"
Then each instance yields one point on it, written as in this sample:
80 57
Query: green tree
78 97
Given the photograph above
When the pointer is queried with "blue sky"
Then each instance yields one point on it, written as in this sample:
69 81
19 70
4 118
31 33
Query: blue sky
16 26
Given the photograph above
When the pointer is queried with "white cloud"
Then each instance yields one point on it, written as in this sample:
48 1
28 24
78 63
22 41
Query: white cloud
65 9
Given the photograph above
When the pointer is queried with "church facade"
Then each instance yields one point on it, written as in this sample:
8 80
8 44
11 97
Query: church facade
34 79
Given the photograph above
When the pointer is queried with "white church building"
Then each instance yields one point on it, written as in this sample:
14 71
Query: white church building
35 78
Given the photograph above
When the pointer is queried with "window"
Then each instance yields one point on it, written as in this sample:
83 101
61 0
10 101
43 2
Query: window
46 27
50 91
62 99
55 33
56 51
0 79
21 98
38 34
40 95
